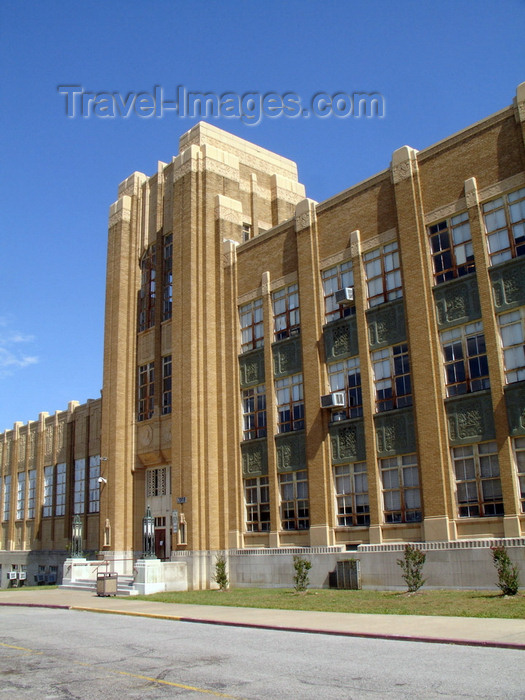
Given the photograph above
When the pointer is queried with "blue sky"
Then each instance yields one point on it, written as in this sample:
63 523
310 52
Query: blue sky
439 66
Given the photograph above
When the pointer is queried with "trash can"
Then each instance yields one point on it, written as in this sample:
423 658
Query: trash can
107 583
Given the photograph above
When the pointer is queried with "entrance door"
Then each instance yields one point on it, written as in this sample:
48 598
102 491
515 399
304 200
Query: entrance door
160 543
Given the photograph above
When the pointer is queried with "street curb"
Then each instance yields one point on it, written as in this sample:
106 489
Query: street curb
307 630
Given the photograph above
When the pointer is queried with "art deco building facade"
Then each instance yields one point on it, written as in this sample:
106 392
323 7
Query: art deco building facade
282 373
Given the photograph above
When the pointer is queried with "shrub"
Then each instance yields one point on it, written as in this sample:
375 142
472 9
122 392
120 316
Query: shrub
412 566
301 579
221 574
508 573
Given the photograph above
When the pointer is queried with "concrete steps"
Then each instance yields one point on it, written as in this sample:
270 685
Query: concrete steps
124 585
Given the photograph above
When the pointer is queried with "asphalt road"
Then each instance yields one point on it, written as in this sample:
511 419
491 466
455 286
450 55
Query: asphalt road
60 654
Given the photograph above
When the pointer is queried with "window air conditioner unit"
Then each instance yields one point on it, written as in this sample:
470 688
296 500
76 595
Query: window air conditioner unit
22 575
11 575
344 295
337 399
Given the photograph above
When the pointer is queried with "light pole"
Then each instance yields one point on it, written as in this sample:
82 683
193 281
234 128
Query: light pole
148 535
76 538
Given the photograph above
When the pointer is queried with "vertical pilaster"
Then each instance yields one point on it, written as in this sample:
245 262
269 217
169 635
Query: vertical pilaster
425 363
314 382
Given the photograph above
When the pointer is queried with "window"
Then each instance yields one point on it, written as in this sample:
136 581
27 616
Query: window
79 493
146 391
383 275
401 497
351 493
392 378
294 501
31 493
246 232
94 484
465 359
478 486
519 452
512 329
290 403
335 278
47 510
451 248
20 495
6 509
257 496
167 276
252 329
156 482
505 226
60 502
146 303
346 376
254 412
166 385
286 312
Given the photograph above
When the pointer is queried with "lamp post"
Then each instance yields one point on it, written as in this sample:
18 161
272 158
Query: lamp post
76 538
148 535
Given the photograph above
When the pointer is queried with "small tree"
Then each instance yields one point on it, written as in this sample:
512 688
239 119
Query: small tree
412 566
221 574
301 579
508 573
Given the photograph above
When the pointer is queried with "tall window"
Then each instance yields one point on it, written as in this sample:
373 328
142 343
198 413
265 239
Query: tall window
31 493
146 304
383 274
505 226
166 384
519 452
257 497
392 377
294 501
478 486
47 510
286 312
335 278
20 495
254 412
94 484
451 247
401 496
346 376
351 492
60 502
167 276
146 391
290 403
6 509
252 328
512 329
465 359
79 493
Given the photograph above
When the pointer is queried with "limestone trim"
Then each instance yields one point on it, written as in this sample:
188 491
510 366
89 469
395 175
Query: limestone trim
520 103
333 260
132 185
404 164
283 281
228 209
380 239
120 211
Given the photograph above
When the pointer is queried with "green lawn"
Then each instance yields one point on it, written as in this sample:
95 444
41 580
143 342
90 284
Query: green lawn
425 602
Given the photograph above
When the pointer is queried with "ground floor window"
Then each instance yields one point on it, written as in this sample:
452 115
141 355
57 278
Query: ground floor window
478 486
401 495
351 493
294 501
519 451
257 497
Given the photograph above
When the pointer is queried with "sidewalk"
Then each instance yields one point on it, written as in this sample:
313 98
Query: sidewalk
470 631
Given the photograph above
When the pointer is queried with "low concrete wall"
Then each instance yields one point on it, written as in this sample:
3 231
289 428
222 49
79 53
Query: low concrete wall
466 565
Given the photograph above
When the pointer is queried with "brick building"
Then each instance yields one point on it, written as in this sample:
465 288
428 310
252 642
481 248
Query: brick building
279 373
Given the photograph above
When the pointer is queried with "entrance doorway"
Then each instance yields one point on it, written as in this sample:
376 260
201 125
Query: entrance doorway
160 543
